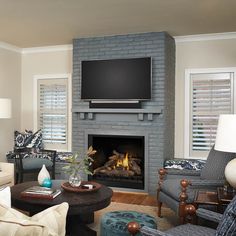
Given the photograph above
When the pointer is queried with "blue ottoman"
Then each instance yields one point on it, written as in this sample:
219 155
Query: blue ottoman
115 223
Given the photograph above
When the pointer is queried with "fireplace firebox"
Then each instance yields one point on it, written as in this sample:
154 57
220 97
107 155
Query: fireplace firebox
119 161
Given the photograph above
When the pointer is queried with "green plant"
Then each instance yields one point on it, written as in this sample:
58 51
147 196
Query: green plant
77 164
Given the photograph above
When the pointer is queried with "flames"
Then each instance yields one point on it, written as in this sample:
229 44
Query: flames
123 163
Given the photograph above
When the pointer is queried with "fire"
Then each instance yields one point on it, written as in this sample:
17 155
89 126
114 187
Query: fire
123 162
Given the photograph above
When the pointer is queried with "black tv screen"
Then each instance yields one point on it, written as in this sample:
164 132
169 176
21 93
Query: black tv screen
116 79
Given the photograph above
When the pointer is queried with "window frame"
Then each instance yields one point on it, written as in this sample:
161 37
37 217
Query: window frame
187 111
69 104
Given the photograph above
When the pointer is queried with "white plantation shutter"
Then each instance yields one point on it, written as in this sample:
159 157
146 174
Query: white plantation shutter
211 95
52 112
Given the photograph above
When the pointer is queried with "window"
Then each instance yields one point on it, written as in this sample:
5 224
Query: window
209 94
52 112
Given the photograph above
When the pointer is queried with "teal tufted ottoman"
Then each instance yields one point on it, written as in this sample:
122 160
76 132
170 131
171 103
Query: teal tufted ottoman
115 223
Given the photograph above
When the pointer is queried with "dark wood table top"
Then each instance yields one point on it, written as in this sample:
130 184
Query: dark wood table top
79 203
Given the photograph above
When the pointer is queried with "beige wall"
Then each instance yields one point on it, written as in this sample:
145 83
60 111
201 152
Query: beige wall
201 54
10 87
41 63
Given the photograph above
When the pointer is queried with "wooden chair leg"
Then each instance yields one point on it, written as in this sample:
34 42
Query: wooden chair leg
183 200
159 205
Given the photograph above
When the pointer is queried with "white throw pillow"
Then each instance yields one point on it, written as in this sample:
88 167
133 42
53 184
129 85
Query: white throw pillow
5 196
50 222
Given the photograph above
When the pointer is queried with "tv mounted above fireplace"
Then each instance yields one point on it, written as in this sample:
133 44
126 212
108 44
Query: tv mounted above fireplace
116 80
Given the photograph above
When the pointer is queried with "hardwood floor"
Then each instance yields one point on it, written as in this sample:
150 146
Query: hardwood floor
134 198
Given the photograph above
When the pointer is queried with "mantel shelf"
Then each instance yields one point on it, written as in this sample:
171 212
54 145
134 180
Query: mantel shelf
140 112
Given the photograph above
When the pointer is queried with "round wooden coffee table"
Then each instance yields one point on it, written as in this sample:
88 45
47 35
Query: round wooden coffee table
81 205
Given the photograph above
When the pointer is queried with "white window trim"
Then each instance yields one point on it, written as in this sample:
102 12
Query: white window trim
188 73
35 103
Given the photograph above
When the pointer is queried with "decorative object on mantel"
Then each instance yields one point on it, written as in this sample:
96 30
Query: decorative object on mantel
43 175
76 164
85 187
226 142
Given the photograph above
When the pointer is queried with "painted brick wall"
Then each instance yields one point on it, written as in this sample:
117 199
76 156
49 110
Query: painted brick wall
160 131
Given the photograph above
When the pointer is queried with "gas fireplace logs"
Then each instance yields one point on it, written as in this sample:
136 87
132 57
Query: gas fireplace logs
120 164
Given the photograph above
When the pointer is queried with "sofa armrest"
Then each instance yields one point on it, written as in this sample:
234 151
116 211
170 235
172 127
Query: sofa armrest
146 231
9 168
209 215
203 183
134 228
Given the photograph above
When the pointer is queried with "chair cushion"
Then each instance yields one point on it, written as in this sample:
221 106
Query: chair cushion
190 230
172 188
35 163
50 222
5 178
227 226
215 165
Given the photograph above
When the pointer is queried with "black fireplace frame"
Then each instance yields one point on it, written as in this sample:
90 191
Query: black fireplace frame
136 182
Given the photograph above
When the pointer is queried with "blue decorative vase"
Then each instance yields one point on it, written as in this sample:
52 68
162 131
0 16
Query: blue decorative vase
47 183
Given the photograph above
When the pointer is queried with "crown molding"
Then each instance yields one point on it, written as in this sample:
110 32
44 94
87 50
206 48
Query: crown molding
10 47
205 37
55 48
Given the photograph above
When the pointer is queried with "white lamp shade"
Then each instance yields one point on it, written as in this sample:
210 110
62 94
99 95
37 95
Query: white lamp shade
226 134
5 108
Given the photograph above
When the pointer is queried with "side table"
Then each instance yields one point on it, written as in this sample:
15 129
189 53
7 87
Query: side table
202 197
206 197
224 197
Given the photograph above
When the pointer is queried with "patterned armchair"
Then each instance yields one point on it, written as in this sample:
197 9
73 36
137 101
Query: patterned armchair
176 188
29 155
226 225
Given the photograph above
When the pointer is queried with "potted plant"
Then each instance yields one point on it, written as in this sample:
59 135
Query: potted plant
77 164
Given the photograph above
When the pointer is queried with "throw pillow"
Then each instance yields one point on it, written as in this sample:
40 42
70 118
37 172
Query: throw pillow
5 196
227 226
214 168
50 222
28 139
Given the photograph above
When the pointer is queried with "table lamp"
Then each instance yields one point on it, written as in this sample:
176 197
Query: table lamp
5 108
226 142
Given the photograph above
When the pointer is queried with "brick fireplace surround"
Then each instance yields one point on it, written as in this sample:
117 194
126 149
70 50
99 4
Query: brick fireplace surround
155 121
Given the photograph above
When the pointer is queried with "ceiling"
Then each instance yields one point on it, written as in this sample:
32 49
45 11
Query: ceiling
30 23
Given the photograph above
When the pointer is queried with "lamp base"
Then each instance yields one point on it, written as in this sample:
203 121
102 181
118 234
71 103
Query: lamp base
230 173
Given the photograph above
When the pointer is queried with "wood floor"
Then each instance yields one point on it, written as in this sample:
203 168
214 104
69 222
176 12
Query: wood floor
134 198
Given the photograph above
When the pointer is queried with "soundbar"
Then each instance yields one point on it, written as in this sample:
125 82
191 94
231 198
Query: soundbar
115 104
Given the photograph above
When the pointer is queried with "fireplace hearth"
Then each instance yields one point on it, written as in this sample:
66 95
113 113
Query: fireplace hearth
119 161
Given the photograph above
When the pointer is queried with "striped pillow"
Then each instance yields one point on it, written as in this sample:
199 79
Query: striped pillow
50 222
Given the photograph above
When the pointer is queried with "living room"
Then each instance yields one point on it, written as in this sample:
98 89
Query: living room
186 41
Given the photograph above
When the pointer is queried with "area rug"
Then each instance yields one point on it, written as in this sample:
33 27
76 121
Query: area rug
168 220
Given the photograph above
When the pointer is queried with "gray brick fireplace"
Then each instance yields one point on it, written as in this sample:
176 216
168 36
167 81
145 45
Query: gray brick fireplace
154 122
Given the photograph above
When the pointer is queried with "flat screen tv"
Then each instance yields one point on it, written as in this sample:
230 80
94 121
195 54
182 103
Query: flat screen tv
116 79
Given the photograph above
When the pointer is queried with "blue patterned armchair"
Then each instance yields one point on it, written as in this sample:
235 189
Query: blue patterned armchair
176 188
29 156
226 225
